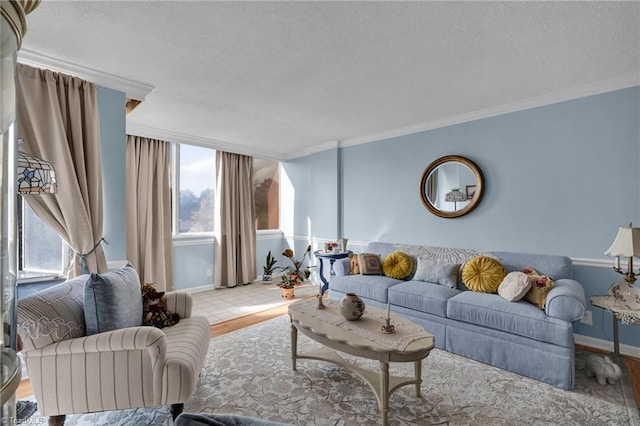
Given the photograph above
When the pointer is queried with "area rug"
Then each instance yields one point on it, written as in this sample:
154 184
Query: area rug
249 373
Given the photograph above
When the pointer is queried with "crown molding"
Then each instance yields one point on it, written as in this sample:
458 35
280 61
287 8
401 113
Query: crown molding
167 135
596 88
133 89
316 148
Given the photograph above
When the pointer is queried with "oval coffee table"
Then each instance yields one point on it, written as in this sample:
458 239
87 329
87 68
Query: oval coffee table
362 338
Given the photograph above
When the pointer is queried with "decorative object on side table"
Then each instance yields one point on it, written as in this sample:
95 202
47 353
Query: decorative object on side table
268 268
330 247
352 307
626 244
343 244
604 370
387 327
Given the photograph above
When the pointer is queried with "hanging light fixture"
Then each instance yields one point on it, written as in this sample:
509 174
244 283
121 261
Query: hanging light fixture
35 176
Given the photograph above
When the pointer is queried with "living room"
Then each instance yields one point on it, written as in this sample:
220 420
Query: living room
560 169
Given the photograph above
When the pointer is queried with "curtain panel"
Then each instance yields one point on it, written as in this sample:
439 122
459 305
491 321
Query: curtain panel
58 119
149 240
235 249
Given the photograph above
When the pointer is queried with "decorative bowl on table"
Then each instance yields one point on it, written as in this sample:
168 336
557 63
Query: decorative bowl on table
626 294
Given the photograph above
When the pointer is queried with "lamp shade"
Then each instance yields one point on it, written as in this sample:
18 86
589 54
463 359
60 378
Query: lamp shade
626 244
35 176
455 195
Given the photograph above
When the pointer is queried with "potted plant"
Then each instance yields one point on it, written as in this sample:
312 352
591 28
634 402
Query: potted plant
295 274
268 268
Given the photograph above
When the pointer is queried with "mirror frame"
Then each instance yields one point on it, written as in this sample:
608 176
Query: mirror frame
474 201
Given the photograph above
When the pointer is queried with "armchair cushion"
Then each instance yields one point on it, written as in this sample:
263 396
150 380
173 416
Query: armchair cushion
112 300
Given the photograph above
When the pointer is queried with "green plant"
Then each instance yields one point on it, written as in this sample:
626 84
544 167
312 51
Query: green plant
296 273
269 265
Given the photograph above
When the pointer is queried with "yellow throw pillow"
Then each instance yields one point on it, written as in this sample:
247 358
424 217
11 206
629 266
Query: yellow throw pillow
398 265
483 274
354 267
540 286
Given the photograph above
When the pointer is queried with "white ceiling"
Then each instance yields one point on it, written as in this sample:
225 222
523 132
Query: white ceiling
279 79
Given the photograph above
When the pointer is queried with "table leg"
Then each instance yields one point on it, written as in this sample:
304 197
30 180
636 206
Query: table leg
294 346
325 283
418 375
616 340
384 392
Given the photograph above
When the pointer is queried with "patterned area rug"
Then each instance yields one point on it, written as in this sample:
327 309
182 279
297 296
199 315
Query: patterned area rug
249 373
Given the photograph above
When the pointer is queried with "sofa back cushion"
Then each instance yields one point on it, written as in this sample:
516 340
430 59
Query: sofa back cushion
52 315
552 266
112 300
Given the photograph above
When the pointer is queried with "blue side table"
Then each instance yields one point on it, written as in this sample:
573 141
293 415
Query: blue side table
332 257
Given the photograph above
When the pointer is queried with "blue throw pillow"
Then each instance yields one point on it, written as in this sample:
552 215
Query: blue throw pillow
112 300
437 273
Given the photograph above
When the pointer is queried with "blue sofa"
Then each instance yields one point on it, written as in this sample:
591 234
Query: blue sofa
515 336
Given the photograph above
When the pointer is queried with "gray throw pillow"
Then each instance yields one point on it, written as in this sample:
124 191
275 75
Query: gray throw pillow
112 300
437 273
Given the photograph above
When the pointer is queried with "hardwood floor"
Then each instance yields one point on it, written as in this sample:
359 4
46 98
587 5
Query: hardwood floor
632 364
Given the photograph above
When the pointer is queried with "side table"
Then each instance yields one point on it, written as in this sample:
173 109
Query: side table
332 257
620 313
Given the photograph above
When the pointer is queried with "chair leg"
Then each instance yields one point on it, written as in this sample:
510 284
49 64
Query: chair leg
56 420
176 409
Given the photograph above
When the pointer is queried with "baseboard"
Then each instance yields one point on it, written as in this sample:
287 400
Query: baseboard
198 289
606 345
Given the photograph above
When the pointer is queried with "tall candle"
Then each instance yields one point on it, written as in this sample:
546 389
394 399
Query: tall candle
617 262
388 308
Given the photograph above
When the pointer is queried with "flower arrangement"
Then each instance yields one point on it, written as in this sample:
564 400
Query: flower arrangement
295 273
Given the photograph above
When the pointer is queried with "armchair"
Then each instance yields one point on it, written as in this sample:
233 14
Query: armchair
132 367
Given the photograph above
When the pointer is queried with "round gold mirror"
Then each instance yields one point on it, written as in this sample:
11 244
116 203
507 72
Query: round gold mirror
451 186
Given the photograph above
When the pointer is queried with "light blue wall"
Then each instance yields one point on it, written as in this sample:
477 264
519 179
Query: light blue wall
112 135
559 179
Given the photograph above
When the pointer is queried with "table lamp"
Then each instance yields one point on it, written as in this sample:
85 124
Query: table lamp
626 244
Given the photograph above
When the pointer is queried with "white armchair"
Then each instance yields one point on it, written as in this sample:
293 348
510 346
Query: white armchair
126 368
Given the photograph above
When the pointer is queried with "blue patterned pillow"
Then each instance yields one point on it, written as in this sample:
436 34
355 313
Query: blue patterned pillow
437 273
112 300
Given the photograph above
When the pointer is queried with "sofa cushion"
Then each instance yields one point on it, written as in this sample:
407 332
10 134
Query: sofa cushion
112 300
398 265
514 286
354 268
369 264
367 286
540 286
483 274
422 296
520 318
437 272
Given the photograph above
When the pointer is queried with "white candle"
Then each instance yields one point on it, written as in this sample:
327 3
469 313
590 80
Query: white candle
617 262
388 309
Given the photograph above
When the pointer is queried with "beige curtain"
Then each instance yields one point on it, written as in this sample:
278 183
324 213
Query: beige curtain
149 241
235 249
58 119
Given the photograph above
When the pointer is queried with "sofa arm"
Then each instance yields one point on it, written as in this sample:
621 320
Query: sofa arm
105 371
566 300
179 302
125 339
341 267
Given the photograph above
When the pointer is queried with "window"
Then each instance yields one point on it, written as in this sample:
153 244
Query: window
266 193
194 178
41 251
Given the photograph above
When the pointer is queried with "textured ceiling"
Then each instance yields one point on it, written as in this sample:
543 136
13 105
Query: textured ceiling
281 78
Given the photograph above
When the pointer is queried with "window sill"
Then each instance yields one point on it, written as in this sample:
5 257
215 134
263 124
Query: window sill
37 277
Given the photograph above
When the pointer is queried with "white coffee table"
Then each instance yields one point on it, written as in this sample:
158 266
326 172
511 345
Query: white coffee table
362 338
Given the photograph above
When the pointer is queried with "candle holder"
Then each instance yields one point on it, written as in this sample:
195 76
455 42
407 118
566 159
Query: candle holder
387 327
320 304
